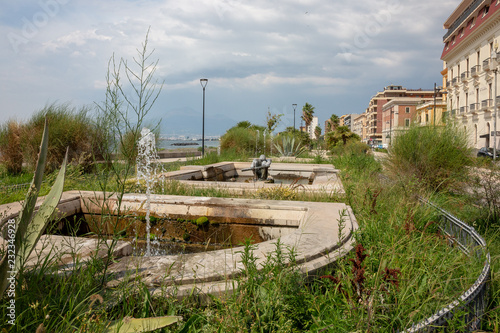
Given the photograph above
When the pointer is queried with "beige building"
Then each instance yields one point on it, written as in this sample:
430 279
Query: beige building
359 126
470 44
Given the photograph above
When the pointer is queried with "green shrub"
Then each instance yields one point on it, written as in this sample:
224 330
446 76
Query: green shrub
69 128
436 155
286 146
10 147
245 140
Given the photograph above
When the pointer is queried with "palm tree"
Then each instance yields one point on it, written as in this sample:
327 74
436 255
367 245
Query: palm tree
335 120
307 115
317 132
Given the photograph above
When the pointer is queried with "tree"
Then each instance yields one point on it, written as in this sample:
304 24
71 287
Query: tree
272 121
333 123
307 114
244 124
340 134
317 132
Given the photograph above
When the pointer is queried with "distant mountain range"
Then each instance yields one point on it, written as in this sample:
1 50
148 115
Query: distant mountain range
188 122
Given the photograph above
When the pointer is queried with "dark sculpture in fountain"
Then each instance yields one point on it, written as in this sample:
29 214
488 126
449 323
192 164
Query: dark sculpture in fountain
260 168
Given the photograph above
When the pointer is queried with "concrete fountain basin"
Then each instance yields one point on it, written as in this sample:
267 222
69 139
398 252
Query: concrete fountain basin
319 233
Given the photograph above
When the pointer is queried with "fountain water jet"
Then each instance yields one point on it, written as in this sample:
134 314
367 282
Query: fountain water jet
147 167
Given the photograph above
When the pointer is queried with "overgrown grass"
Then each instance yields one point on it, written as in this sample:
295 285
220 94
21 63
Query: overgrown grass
408 274
69 128
437 156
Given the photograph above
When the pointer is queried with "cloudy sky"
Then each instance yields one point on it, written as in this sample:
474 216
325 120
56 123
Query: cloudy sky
257 55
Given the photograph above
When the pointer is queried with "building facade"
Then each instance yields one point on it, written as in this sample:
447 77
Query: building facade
470 46
312 127
359 126
431 112
378 126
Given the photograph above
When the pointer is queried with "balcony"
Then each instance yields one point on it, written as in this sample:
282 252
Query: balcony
487 65
455 81
485 104
474 71
463 110
474 107
465 76
453 112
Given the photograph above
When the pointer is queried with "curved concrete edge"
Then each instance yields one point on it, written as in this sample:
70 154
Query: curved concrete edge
326 181
318 241
203 291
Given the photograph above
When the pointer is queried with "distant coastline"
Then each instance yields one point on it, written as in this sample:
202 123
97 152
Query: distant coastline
194 144
185 144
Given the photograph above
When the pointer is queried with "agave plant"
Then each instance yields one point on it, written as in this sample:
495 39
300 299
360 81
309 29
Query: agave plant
288 147
26 232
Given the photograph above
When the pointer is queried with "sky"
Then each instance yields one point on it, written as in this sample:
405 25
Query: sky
258 56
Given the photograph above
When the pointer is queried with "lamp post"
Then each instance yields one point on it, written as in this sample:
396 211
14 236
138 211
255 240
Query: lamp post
294 107
203 83
494 62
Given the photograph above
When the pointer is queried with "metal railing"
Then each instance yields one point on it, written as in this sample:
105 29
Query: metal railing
15 187
458 22
472 303
487 65
475 70
486 103
475 107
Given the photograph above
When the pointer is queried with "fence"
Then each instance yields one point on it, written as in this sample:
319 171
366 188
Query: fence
15 187
472 303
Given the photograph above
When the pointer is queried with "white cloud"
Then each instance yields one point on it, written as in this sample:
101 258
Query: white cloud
281 50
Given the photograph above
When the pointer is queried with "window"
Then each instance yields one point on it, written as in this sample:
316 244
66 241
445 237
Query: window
426 118
486 10
407 110
407 122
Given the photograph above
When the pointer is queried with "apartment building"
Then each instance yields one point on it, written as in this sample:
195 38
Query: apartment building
359 126
347 120
432 112
398 114
470 43
375 121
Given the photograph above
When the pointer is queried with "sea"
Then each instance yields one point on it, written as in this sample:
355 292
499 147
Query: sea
179 144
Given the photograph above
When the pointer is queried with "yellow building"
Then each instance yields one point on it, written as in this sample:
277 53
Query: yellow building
425 112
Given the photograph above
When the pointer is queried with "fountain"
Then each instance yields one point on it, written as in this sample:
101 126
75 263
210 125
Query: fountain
147 165
318 232
257 142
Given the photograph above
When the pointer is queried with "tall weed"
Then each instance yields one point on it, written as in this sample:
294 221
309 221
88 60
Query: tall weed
69 127
10 147
437 156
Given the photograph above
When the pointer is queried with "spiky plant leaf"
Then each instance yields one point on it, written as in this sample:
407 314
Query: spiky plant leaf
42 217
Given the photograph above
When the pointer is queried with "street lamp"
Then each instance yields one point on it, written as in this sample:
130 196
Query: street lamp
203 83
494 62
294 107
